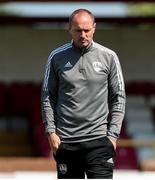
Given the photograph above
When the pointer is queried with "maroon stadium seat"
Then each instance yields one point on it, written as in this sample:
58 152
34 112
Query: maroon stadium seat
22 97
126 158
3 98
140 88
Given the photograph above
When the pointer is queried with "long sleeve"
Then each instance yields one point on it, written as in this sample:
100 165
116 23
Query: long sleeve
49 96
117 98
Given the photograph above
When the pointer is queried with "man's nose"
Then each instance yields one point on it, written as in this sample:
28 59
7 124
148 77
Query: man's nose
82 34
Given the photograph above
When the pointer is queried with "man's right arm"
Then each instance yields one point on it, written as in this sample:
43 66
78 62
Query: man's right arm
48 102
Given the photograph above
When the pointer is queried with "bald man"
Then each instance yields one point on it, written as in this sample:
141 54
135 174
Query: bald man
83 103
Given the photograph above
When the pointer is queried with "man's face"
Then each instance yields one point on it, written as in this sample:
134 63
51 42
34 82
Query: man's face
82 30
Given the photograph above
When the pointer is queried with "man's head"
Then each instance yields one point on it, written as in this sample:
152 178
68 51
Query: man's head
82 27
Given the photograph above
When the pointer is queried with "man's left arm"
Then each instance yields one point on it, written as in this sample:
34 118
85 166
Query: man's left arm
117 99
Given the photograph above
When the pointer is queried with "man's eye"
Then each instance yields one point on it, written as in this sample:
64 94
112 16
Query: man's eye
86 31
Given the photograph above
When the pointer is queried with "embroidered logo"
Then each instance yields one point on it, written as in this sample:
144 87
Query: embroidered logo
63 168
68 65
97 66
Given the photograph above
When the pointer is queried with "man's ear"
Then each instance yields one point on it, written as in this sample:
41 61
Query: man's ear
94 27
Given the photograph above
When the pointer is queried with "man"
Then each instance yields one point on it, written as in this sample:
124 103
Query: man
83 103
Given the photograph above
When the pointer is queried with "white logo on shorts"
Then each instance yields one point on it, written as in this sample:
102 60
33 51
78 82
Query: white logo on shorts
63 168
110 160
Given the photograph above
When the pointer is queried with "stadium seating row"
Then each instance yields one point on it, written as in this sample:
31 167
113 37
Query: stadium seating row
22 101
144 88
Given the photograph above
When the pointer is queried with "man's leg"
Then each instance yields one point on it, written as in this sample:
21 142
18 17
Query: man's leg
99 159
69 163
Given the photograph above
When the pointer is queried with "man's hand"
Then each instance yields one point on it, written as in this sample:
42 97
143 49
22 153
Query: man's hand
54 142
113 142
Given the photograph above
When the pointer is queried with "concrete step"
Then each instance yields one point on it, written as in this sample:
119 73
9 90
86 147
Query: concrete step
17 150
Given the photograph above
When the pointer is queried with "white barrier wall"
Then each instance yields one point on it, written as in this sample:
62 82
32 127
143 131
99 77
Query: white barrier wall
118 175
24 50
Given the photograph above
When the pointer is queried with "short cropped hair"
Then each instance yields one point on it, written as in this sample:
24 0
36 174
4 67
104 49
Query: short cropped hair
78 11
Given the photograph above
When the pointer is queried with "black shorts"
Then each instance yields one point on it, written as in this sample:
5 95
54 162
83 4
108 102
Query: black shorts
92 159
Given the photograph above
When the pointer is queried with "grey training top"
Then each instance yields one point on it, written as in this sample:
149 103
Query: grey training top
81 88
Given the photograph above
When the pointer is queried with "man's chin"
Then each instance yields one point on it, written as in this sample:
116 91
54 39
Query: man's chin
82 44
85 44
